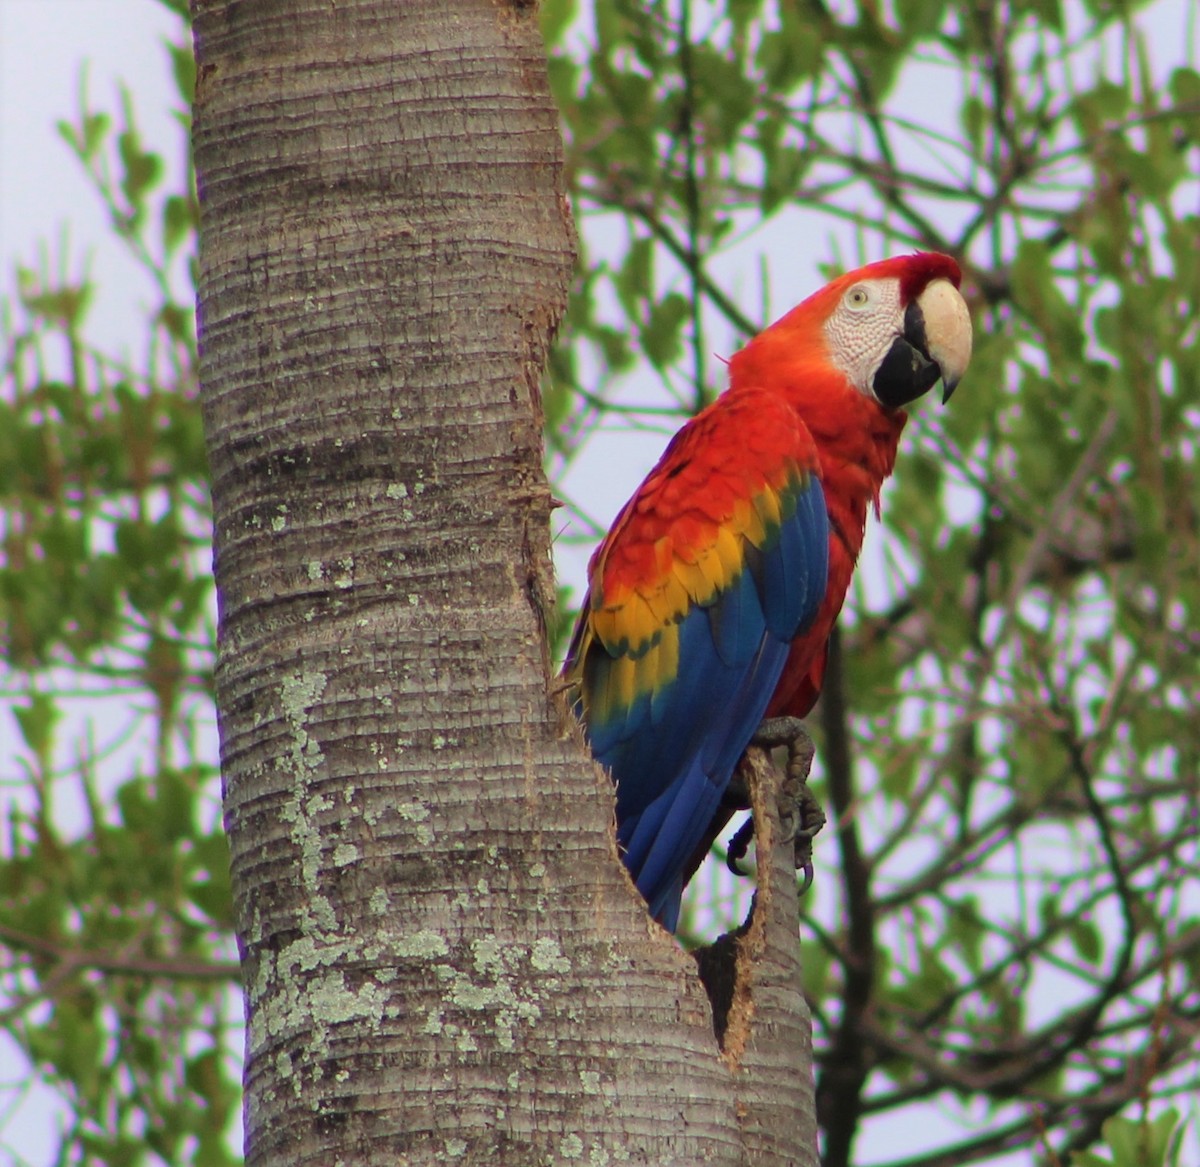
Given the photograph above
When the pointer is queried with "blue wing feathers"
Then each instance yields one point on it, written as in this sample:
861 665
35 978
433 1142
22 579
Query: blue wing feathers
660 839
785 579
672 751
737 622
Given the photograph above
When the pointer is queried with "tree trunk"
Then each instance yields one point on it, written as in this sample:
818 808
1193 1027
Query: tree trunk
443 958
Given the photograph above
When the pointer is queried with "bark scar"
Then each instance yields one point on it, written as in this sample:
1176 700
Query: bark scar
783 827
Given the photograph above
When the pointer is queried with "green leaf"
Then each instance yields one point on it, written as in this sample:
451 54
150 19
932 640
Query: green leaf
36 722
1085 938
785 167
1184 88
183 67
973 116
1049 12
727 96
920 18
86 140
635 278
816 966
968 932
1140 1143
564 83
1036 292
556 16
208 886
792 54
661 335
179 321
179 220
142 169
618 353
1105 103
64 304
176 799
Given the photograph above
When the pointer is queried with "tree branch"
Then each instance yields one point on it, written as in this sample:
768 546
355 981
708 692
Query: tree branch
121 964
845 1067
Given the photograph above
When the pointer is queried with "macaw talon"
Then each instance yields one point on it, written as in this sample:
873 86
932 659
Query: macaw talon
808 811
801 814
797 806
807 882
782 731
738 846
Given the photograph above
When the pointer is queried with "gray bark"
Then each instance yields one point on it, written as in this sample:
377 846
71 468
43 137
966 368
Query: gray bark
443 958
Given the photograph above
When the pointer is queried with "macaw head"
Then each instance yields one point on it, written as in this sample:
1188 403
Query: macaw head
893 329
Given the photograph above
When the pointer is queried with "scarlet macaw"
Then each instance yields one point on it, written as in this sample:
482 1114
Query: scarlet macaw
711 600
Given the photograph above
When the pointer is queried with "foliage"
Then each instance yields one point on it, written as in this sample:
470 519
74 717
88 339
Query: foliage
1147 1143
1004 918
1005 914
116 967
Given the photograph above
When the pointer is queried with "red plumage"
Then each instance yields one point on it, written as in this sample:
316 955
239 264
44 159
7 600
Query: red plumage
712 598
856 440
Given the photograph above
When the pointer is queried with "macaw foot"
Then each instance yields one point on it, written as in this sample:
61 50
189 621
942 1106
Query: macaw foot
800 814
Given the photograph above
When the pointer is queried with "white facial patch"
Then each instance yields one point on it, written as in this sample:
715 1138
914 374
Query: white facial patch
862 328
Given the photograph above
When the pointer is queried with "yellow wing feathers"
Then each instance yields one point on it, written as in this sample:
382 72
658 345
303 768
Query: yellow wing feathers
643 590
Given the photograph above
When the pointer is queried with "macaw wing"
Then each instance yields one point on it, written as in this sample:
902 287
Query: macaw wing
717 562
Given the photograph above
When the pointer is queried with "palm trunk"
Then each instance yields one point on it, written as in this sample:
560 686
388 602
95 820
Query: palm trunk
443 958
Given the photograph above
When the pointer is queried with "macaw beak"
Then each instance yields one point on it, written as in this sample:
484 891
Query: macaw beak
947 325
936 345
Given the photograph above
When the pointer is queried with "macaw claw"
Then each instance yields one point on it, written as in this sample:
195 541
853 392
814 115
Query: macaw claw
801 814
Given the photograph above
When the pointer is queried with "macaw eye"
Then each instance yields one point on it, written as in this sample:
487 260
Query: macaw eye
858 297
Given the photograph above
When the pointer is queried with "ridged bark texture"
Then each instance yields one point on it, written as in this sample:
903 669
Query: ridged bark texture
444 960
768 1031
